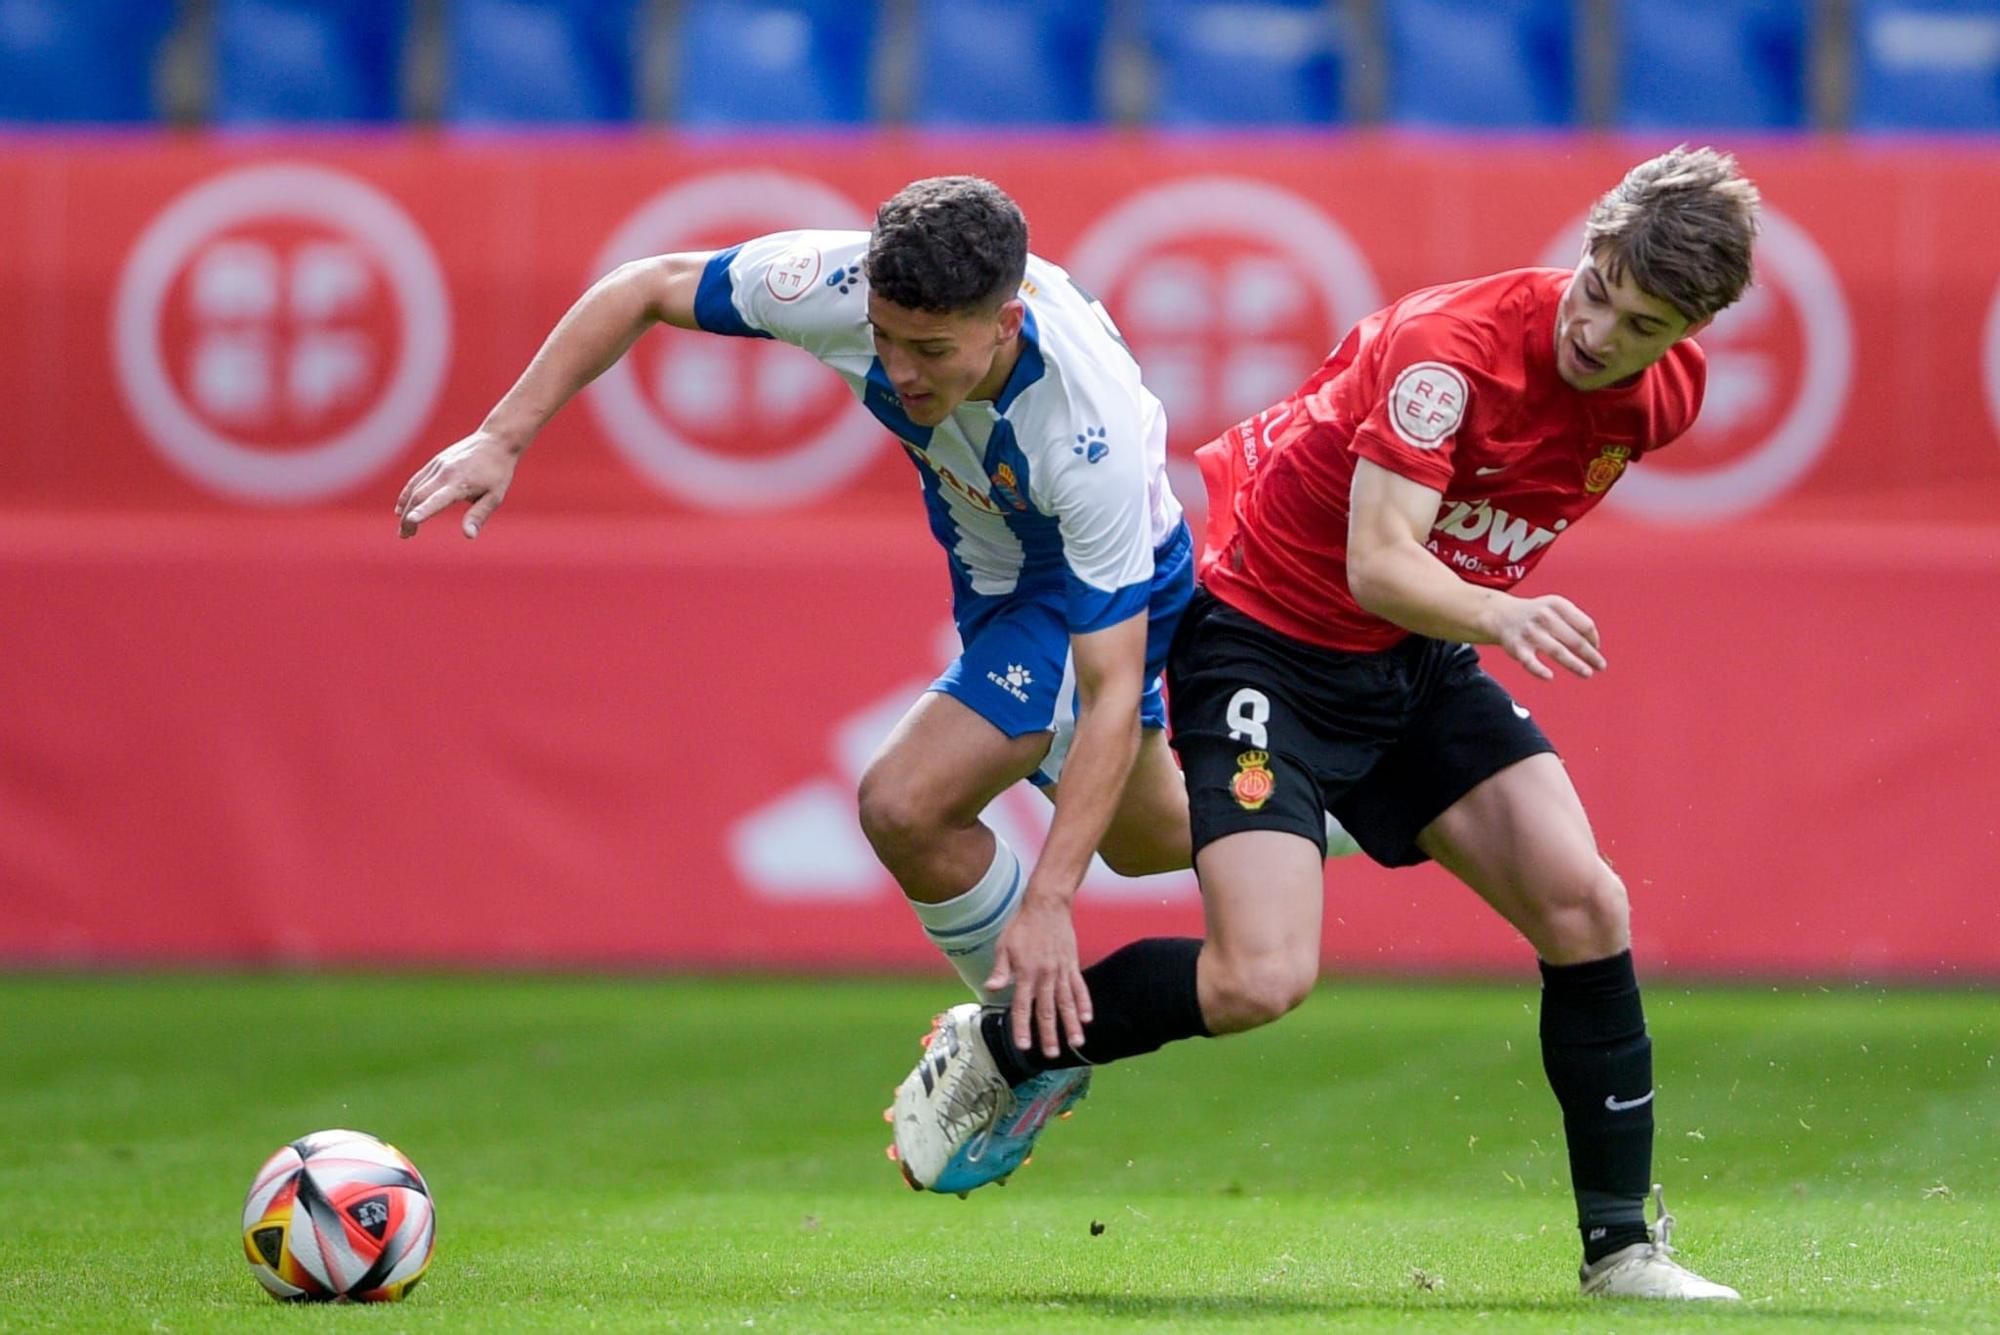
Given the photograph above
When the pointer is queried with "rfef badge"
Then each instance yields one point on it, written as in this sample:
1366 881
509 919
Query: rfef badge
1254 781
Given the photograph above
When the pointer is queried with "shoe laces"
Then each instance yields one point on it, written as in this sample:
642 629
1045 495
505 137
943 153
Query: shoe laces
1663 1223
1658 1245
962 1107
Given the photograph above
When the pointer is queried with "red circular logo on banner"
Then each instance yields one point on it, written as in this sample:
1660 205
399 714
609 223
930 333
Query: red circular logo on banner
1779 365
280 332
734 423
1230 292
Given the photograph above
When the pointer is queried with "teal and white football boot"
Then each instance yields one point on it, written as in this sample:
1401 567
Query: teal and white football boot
958 1125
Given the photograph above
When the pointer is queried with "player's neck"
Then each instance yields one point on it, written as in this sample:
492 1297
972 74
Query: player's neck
989 388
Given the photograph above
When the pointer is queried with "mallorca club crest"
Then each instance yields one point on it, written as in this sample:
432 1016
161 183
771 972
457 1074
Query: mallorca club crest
1254 782
1008 486
1605 469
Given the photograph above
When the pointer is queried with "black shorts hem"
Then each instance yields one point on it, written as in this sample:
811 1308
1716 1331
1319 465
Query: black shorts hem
1274 732
1403 850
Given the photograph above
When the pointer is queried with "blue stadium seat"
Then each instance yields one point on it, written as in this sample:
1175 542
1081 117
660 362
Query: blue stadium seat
1927 65
539 62
80 60
986 63
774 62
1712 63
287 61
1480 64
1244 62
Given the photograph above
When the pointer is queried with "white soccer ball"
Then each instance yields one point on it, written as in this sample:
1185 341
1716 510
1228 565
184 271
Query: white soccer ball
338 1215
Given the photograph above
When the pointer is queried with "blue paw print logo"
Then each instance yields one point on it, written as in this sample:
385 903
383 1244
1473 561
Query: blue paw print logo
1091 444
845 279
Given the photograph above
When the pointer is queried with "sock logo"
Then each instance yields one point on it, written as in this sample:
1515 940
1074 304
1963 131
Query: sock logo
1616 1104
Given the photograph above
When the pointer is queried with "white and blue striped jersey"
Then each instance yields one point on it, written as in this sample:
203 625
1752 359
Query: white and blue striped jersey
1058 486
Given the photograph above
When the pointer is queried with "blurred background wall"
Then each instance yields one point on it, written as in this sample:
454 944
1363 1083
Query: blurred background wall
260 258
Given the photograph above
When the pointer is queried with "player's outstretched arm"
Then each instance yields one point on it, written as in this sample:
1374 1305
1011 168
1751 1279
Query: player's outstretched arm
1037 953
1392 574
597 331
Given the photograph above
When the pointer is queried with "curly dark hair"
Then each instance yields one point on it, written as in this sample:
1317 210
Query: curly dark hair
948 244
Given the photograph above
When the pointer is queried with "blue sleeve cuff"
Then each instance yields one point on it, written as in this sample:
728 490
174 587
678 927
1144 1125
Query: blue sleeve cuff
714 310
1089 609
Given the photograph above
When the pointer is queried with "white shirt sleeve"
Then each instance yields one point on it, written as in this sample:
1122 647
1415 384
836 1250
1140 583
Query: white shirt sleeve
802 288
1095 483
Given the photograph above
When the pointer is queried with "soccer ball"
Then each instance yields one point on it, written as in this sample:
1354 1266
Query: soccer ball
338 1215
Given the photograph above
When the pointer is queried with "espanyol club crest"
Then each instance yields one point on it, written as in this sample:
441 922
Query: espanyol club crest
1254 783
1008 486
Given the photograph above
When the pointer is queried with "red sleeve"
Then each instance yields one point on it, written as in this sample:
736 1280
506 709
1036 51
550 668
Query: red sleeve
1422 390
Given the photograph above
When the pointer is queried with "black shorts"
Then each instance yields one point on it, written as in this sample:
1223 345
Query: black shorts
1274 732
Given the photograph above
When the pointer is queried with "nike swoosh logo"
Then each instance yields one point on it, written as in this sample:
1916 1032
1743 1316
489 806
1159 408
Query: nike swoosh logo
1488 472
1520 712
1616 1104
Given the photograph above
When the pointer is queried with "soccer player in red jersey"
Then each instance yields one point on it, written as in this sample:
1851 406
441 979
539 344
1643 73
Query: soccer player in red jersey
1364 535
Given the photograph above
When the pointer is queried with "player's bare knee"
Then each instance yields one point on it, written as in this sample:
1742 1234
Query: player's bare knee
897 817
1586 918
1245 991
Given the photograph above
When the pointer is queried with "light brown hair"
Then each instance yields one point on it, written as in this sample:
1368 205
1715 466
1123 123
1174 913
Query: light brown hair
1683 224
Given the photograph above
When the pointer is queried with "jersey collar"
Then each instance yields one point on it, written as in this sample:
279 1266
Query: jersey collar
1028 368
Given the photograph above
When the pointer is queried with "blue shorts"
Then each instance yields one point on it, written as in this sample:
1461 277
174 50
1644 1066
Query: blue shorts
1015 670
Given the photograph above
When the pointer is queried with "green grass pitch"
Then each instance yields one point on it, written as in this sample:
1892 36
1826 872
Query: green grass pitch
647 1154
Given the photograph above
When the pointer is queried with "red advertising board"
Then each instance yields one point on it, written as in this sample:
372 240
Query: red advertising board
192 324
243 723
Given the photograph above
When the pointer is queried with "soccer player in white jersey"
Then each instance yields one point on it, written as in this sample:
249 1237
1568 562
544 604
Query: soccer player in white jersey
1042 462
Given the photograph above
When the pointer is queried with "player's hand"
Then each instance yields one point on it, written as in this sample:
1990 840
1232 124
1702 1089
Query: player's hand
1552 625
477 470
1037 956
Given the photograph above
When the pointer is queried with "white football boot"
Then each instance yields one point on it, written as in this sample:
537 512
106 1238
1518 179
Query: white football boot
1647 1269
954 1096
958 1126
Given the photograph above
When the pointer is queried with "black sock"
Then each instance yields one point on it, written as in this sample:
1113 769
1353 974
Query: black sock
1600 1063
1143 996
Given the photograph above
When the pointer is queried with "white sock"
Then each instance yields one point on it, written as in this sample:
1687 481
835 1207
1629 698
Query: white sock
968 926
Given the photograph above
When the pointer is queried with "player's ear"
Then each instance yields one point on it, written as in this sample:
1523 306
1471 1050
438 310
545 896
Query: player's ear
1012 312
1695 328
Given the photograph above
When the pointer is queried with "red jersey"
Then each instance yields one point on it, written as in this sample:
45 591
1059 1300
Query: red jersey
1455 387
